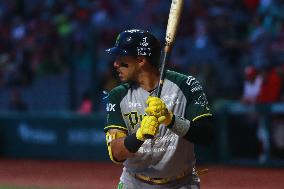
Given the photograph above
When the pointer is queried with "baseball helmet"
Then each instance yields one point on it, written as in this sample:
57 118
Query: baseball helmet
135 43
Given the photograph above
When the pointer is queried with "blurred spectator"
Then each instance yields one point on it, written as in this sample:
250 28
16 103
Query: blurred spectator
251 4
16 102
86 106
217 38
195 49
270 91
252 85
276 47
280 71
258 41
4 61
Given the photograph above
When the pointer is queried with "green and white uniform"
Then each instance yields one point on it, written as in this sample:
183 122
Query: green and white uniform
167 155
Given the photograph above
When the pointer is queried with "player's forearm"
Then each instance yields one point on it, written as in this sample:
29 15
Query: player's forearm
119 151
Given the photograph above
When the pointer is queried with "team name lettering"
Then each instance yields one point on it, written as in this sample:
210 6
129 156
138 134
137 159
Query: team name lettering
133 118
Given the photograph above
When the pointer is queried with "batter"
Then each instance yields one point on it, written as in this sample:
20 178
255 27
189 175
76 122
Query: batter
177 120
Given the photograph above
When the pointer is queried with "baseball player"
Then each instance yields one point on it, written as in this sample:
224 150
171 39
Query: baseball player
176 121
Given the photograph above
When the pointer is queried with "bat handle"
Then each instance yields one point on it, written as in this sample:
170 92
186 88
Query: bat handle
148 136
164 61
165 58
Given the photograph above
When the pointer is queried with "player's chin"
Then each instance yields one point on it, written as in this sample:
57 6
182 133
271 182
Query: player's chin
123 79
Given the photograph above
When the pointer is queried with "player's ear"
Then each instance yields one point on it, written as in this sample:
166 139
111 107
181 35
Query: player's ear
141 60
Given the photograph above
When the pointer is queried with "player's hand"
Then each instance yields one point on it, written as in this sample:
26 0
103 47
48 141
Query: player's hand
149 126
157 108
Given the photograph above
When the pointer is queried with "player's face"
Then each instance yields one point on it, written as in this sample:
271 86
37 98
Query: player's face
127 68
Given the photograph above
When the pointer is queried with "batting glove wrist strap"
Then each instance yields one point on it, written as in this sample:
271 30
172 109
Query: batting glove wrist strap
132 144
179 126
167 120
170 126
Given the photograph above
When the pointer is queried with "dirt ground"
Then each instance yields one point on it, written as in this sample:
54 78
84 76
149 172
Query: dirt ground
46 174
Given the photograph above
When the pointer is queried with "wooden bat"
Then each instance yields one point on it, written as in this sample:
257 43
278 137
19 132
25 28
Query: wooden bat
173 21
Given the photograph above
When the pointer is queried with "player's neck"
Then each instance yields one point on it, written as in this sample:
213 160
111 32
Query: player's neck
148 80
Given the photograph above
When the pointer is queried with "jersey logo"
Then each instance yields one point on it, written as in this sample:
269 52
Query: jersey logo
202 100
133 118
189 80
110 107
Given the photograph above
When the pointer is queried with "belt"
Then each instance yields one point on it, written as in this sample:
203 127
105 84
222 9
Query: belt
158 181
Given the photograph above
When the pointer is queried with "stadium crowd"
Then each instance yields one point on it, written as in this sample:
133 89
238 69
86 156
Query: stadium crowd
226 44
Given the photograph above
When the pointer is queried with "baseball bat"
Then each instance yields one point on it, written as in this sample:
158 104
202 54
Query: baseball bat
173 22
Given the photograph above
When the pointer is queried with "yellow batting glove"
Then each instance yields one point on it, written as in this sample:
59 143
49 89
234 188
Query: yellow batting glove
157 107
149 126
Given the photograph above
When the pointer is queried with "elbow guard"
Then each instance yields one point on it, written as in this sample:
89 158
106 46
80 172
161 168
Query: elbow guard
110 137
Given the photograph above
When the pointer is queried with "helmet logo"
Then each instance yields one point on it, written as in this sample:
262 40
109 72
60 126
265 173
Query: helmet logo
128 39
144 50
134 42
144 43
